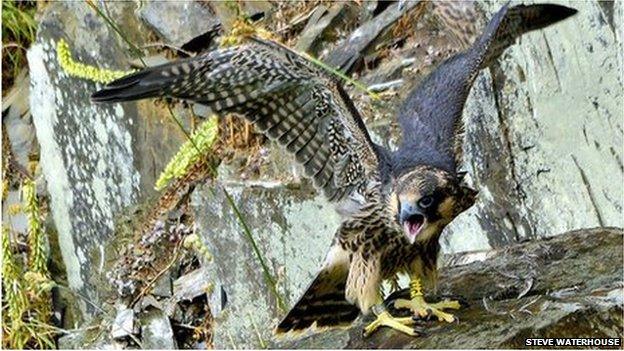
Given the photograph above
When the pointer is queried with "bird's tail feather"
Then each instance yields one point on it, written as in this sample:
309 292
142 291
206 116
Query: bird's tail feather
323 304
509 24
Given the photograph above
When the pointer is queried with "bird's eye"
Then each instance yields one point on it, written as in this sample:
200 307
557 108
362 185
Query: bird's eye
425 201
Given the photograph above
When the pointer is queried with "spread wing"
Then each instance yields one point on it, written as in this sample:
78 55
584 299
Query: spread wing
431 116
287 98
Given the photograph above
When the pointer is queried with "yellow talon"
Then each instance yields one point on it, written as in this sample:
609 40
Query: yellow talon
385 319
421 308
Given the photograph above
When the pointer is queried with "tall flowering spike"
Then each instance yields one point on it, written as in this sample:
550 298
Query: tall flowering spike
81 70
190 153
36 235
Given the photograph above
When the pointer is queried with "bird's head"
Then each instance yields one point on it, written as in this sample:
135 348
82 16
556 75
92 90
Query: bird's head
426 199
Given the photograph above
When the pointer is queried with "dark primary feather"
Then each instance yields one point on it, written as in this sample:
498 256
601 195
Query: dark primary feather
430 117
522 19
283 94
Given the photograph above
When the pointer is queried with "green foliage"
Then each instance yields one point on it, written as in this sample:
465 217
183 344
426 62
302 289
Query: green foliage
191 152
18 31
18 21
14 300
26 300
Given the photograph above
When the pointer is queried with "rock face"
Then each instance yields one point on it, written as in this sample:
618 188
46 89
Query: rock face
320 20
291 249
18 120
544 134
178 22
86 152
96 159
156 331
566 286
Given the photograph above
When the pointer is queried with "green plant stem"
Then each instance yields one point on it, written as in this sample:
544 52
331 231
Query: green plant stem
346 78
62 287
265 269
119 32
179 124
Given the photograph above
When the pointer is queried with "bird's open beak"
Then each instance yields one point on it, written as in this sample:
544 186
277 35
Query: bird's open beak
412 220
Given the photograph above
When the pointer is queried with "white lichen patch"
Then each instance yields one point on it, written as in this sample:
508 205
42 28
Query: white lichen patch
86 158
43 109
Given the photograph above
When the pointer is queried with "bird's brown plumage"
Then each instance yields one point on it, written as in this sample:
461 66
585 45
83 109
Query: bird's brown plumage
284 95
395 204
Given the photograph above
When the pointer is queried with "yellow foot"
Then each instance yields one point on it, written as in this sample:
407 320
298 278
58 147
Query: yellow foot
384 319
422 309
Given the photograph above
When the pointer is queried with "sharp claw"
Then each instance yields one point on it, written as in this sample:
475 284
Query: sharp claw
420 331
369 329
422 309
385 319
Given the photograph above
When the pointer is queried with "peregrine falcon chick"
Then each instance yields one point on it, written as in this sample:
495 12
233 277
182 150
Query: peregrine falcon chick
395 203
